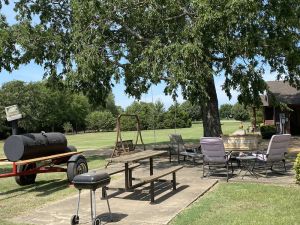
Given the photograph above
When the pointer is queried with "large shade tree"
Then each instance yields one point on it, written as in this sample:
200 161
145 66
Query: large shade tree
184 43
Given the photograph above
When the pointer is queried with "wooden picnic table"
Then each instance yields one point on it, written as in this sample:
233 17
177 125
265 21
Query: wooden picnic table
135 157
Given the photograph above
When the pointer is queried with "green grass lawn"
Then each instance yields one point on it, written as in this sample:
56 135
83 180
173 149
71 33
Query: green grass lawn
244 203
91 141
150 137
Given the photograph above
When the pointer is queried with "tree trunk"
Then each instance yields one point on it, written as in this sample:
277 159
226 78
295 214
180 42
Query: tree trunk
210 112
254 117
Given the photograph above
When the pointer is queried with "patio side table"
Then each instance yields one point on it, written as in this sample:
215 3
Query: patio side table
247 164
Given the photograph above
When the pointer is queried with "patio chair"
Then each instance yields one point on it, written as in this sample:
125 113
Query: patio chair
277 148
214 154
178 147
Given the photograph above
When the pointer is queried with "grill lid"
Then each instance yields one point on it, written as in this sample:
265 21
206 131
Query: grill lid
91 180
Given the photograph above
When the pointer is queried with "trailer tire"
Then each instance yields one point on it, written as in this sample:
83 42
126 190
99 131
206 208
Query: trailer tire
76 167
26 179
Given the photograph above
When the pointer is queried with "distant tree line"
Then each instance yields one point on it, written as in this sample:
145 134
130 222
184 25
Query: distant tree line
47 109
239 112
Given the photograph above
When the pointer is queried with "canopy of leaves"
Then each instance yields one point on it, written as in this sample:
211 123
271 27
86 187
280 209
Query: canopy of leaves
180 42
44 108
154 116
183 43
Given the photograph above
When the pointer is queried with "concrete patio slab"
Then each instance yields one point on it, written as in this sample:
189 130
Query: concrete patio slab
130 208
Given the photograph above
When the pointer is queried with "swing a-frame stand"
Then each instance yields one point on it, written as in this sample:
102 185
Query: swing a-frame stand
126 146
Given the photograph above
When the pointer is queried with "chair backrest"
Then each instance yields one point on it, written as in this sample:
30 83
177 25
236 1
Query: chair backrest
213 149
278 146
176 142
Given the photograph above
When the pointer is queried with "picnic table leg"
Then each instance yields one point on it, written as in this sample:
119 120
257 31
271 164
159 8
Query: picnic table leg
151 166
130 178
152 191
126 177
178 155
174 181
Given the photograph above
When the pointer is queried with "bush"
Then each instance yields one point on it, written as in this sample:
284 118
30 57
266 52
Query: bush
297 168
239 112
68 127
101 121
267 131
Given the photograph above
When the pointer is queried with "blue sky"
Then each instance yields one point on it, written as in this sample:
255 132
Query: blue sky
33 72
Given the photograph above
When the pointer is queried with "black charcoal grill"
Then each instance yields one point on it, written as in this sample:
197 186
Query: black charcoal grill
91 181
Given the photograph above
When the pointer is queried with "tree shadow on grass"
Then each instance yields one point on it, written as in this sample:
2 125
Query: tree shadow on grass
42 188
50 187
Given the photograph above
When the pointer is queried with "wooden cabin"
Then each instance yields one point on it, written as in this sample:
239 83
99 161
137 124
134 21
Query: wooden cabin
285 120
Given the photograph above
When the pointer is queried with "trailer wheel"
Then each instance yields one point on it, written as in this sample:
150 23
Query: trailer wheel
26 179
76 167
74 220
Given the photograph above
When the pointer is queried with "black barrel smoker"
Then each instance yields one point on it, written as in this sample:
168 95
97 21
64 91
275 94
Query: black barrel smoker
35 153
28 146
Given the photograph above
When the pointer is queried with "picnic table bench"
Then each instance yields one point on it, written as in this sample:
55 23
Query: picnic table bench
147 154
161 173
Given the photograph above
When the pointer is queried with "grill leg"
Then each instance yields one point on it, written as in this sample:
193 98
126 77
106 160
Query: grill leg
78 203
93 204
105 196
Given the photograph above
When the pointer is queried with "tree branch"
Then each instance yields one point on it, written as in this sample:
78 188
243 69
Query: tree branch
134 33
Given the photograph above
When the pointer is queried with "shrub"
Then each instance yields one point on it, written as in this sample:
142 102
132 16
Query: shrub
267 131
67 127
240 112
100 121
297 168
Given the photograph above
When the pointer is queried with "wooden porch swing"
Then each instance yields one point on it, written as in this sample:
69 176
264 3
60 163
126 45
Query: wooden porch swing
126 146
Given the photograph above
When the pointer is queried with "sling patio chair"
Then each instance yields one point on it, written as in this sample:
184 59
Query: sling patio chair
277 149
214 154
179 148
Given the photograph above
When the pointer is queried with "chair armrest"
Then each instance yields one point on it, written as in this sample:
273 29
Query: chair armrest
228 155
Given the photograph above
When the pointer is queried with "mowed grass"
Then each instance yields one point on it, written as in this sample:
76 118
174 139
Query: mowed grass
93 141
244 203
